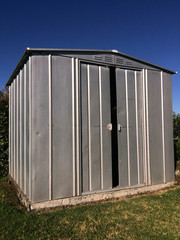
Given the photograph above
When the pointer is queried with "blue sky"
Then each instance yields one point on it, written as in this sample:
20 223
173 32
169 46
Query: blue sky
146 29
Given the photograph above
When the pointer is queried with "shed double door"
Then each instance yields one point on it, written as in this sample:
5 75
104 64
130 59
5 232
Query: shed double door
111 127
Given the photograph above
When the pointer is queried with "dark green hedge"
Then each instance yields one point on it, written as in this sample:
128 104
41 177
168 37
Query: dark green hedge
176 129
4 99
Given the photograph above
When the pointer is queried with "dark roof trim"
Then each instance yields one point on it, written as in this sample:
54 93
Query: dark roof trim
29 51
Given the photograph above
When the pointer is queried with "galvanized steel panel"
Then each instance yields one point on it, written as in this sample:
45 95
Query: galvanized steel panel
93 83
9 132
168 128
132 128
95 124
40 147
155 129
62 169
106 119
140 123
15 131
18 128
84 129
21 112
122 136
96 165
12 129
26 129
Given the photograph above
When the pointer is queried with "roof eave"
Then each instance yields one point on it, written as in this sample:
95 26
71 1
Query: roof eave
30 51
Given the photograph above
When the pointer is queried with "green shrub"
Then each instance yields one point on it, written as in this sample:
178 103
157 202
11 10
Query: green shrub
4 99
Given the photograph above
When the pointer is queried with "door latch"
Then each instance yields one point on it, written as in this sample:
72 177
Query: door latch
119 127
109 126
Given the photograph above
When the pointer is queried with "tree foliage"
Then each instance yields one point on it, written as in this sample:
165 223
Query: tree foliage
4 99
176 130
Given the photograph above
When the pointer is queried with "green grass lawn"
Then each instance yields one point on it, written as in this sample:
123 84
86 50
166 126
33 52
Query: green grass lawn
154 216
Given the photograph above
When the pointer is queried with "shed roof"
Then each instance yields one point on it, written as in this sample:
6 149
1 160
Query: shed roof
29 51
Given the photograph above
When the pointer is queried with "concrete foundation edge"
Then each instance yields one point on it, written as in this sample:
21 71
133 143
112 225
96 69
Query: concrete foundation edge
90 198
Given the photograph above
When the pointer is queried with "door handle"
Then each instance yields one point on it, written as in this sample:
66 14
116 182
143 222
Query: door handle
109 126
119 127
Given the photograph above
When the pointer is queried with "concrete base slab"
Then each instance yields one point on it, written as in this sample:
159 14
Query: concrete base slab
89 198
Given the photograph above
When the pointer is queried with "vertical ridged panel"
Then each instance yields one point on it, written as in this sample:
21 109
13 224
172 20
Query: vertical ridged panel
40 135
155 126
15 130
62 164
168 128
122 119
21 126
30 128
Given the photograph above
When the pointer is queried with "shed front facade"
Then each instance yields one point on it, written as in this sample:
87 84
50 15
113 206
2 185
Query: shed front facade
88 121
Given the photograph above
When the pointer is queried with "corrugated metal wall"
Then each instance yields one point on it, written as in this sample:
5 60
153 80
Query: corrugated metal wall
60 144
19 129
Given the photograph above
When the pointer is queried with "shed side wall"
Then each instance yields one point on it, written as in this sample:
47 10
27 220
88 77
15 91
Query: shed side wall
154 127
40 136
62 163
168 128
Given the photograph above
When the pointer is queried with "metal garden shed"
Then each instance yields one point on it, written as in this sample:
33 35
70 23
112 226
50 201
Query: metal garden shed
86 125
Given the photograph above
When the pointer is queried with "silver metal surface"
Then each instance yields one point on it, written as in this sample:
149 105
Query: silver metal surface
89 125
29 51
21 128
50 124
144 131
60 124
137 129
40 131
163 140
73 128
155 129
9 139
100 121
122 137
25 128
12 129
30 128
15 130
62 164
109 126
77 126
168 127
147 126
127 123
119 127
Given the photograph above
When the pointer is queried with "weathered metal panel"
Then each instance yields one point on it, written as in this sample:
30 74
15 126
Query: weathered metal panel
168 128
96 138
121 119
15 130
84 129
30 128
62 127
106 134
12 129
18 128
26 92
95 127
155 129
132 128
140 123
40 123
26 129
21 97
